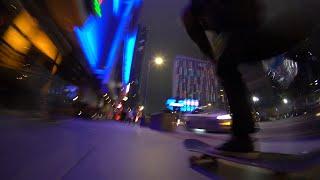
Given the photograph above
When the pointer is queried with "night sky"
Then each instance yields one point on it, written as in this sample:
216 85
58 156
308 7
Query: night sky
167 38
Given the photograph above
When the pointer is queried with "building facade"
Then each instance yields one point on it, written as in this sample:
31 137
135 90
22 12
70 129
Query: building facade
136 94
196 79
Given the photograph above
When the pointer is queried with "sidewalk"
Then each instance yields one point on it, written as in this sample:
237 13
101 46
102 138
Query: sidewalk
86 150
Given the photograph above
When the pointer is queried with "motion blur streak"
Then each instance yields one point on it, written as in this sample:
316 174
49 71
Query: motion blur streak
117 39
101 48
16 40
25 32
89 41
128 56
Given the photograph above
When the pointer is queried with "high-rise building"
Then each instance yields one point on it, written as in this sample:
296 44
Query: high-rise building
136 78
196 79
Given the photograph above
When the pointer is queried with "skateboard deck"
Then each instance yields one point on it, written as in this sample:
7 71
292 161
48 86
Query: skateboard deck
278 163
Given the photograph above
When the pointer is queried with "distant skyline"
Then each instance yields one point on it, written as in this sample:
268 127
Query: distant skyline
166 38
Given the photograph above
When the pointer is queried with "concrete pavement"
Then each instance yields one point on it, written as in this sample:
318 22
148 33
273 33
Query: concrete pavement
89 150
79 149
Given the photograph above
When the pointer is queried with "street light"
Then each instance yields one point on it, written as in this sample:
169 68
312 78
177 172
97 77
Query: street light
255 99
158 61
285 100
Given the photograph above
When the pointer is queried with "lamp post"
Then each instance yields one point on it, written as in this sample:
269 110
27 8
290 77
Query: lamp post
158 61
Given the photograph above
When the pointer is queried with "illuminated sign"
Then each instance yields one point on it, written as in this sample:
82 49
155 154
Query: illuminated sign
183 105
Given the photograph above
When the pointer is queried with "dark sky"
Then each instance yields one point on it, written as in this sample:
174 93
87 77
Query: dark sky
167 38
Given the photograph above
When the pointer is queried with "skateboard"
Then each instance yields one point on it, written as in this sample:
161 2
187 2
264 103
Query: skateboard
275 162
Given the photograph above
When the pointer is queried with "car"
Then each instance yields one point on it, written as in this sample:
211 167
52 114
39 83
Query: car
218 121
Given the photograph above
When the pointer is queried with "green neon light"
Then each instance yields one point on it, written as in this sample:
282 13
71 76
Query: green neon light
97 7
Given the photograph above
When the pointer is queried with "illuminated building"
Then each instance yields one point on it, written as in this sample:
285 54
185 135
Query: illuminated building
195 79
48 46
136 75
103 38
31 57
108 41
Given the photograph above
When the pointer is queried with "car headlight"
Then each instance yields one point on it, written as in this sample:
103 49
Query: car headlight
224 117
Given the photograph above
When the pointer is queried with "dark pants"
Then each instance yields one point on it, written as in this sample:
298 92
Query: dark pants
244 47
237 94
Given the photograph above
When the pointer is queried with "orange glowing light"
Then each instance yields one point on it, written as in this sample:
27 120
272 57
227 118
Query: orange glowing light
26 24
44 44
16 40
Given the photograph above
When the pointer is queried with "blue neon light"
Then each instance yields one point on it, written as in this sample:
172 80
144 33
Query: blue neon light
89 41
102 38
116 5
168 102
126 17
189 105
183 108
128 56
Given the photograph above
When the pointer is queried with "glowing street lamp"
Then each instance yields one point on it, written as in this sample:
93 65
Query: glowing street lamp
285 100
158 60
255 99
